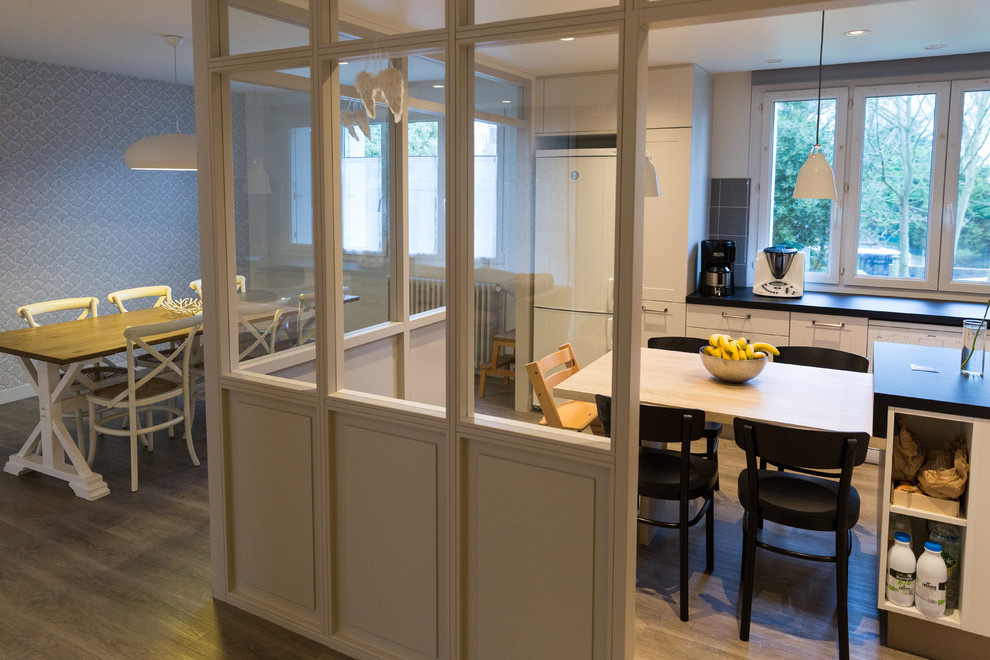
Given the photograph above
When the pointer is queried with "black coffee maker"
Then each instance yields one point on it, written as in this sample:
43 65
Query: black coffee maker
716 277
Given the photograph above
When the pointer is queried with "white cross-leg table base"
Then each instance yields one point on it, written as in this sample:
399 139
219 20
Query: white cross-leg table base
51 386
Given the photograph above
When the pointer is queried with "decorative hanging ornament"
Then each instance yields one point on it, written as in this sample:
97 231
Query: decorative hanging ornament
351 118
390 83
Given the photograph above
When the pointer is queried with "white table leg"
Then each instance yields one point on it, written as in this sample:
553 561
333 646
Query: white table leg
51 385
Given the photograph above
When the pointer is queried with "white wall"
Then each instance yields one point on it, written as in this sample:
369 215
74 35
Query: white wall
730 125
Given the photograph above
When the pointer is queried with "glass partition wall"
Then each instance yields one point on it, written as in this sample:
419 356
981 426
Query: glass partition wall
544 213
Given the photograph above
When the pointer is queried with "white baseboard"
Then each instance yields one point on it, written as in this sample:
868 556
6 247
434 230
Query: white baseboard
16 393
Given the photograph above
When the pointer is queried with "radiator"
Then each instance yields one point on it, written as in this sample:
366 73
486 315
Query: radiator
428 293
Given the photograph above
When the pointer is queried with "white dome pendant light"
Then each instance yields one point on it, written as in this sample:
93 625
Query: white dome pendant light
168 151
815 179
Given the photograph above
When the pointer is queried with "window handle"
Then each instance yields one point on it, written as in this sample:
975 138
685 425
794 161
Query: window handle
949 218
741 317
819 324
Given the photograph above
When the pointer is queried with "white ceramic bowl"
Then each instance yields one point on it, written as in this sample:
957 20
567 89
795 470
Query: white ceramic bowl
733 371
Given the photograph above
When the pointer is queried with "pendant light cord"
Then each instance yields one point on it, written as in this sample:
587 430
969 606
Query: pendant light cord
175 81
821 49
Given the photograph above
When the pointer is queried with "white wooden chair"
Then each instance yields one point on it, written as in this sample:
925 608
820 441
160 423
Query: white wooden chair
97 374
162 293
258 325
306 318
148 391
240 285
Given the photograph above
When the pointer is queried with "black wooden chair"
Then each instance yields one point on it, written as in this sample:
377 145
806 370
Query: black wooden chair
692 345
826 358
809 495
674 475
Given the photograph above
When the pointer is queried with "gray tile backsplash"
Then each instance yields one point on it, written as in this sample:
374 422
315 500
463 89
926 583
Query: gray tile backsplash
728 217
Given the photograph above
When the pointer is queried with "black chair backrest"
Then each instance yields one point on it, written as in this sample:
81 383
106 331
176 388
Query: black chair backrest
827 358
658 423
682 344
800 448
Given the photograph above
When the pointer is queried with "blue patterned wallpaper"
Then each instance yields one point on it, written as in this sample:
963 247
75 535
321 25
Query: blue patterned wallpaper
74 221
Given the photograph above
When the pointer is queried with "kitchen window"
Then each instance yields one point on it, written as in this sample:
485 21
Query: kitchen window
914 184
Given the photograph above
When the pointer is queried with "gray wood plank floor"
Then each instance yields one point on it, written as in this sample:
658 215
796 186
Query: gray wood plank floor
126 576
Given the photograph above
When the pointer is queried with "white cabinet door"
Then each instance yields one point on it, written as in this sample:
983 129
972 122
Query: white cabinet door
575 229
844 333
662 320
912 333
667 231
738 320
580 104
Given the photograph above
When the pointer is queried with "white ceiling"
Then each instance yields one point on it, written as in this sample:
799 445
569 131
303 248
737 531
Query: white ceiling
125 36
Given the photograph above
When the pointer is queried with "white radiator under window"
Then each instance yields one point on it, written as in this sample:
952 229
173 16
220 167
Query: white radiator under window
428 293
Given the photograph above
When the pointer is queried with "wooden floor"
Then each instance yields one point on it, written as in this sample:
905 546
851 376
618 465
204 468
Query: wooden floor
129 575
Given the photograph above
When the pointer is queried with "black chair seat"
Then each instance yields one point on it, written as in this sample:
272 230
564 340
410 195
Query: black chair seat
659 475
799 500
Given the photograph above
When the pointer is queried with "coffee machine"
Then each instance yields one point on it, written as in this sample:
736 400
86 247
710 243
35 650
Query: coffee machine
779 273
717 277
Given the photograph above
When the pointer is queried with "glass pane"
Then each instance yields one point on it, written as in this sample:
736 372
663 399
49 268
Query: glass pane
486 12
393 176
271 133
281 24
801 223
544 215
895 197
971 238
369 18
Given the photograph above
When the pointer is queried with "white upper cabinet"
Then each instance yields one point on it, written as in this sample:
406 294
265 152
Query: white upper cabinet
586 104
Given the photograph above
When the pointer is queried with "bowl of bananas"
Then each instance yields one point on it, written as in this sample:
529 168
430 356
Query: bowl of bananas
735 360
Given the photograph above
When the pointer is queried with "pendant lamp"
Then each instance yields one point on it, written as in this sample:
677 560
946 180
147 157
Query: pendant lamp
168 151
815 179
651 180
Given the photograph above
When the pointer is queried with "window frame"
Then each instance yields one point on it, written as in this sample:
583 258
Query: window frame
951 189
935 199
765 193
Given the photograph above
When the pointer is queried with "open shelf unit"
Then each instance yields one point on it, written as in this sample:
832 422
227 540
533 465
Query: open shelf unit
931 430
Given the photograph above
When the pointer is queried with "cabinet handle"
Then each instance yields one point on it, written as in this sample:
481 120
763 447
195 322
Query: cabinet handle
828 325
655 311
737 316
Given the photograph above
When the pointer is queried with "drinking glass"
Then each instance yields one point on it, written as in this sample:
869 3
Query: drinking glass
974 347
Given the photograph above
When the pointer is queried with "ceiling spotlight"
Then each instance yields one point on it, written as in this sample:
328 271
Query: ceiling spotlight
773 60
857 33
935 46
344 63
567 38
438 87
506 101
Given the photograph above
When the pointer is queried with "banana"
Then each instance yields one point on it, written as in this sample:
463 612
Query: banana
759 354
761 346
750 352
742 342
709 350
713 339
723 343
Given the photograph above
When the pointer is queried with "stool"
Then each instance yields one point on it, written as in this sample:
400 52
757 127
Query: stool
500 364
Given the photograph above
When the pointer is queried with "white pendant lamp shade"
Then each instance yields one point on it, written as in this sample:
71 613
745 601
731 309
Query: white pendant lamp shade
169 151
651 180
815 179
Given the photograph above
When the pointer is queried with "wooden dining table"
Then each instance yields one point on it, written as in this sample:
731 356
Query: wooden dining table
790 394
53 357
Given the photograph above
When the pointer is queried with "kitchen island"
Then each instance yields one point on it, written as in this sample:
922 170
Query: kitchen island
921 388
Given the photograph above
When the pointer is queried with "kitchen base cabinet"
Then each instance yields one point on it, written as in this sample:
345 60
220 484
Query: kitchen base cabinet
754 324
843 333
931 430
662 319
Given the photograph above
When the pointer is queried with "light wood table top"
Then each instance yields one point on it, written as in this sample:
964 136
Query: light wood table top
82 340
783 393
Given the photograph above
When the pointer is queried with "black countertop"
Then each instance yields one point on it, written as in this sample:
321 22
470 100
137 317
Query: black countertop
897 384
909 310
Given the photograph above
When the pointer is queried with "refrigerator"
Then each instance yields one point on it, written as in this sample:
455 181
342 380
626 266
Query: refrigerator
574 251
